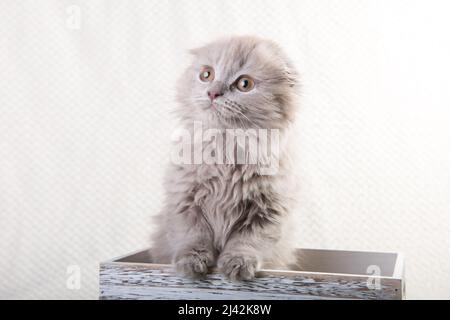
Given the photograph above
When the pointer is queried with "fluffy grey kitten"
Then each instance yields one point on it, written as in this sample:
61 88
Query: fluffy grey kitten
223 213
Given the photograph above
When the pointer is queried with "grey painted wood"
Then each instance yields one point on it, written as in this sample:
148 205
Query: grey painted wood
138 277
160 293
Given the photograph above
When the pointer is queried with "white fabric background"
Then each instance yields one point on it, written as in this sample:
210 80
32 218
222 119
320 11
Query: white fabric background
84 128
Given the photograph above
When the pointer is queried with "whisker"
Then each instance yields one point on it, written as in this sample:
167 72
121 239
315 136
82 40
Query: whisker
233 118
234 108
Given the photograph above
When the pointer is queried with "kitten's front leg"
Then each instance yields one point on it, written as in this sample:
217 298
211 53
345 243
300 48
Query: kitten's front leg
238 266
195 253
194 261
243 253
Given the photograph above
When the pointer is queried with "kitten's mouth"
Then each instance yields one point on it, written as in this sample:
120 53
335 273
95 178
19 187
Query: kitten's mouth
210 106
214 105
217 109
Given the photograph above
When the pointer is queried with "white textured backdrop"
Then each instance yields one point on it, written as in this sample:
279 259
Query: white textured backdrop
85 89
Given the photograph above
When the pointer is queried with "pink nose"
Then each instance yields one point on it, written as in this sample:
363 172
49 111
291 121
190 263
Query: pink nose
214 94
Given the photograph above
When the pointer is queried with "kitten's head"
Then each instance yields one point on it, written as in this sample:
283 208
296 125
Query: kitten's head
239 82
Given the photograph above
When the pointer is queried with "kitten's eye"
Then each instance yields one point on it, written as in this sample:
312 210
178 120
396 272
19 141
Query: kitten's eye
245 84
207 74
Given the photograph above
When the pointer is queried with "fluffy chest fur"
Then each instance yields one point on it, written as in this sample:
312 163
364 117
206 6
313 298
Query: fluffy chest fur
220 192
232 198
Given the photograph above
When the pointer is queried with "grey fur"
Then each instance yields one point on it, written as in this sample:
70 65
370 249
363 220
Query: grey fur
230 215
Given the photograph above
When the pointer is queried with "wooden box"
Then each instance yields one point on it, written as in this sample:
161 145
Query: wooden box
325 274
